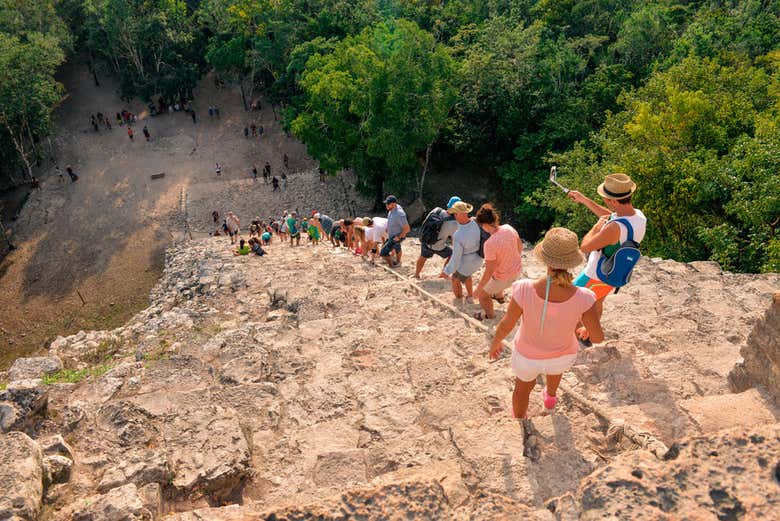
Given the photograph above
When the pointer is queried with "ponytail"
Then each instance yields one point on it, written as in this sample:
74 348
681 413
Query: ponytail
562 278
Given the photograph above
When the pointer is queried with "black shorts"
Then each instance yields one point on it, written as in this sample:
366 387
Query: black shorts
427 252
390 245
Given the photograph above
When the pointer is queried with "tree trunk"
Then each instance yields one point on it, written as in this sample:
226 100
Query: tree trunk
92 67
421 179
379 196
243 95
18 141
251 91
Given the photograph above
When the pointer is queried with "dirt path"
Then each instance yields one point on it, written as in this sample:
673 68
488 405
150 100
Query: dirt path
104 236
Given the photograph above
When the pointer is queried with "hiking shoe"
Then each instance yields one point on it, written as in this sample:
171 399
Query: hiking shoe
549 401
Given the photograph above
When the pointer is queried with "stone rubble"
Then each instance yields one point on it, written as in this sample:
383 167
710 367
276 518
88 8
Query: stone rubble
119 504
20 404
21 477
32 368
761 355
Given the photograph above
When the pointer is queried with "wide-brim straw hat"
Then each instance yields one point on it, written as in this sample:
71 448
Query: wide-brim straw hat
616 186
560 249
460 207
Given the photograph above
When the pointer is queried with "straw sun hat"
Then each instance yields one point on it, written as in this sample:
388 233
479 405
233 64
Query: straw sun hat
560 249
460 207
616 186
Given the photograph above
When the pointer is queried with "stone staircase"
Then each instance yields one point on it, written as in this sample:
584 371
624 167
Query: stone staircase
334 196
311 383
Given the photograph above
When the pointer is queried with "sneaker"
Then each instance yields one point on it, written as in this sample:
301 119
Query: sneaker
549 401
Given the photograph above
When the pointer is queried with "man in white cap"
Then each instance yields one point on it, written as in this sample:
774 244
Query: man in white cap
607 235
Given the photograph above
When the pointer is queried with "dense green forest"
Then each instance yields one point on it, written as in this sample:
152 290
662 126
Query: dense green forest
684 96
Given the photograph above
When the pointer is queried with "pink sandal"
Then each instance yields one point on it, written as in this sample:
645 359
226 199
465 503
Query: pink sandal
549 401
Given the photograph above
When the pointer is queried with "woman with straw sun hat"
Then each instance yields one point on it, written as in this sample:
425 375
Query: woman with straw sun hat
551 307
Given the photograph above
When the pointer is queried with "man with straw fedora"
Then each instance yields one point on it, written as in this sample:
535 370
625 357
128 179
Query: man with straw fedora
465 259
607 235
551 307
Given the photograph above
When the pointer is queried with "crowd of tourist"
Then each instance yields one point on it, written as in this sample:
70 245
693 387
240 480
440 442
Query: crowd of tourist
559 312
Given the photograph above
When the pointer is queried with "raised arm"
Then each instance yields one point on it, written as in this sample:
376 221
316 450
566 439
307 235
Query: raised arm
588 203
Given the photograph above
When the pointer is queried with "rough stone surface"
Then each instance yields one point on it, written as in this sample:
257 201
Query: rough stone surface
718 412
761 354
25 402
57 468
56 444
396 502
31 368
143 468
119 504
243 384
730 475
151 497
21 477
207 450
9 416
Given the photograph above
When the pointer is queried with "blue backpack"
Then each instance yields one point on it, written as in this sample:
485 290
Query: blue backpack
616 269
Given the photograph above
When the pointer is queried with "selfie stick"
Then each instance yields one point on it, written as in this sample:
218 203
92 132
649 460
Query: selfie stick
553 180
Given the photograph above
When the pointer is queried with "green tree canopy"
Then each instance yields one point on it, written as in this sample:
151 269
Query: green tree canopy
700 140
150 44
376 103
33 40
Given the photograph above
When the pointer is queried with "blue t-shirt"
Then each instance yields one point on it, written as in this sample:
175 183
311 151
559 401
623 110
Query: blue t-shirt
327 224
396 220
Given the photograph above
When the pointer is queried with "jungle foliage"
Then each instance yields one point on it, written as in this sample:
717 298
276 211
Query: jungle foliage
683 95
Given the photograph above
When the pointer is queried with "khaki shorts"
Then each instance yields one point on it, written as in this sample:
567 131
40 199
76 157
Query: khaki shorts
497 287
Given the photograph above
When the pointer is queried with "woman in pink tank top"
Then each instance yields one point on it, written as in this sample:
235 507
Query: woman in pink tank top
551 308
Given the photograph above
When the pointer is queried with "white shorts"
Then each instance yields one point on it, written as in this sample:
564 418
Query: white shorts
527 369
497 287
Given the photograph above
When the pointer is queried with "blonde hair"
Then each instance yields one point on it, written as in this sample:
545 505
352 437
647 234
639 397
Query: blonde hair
360 232
562 278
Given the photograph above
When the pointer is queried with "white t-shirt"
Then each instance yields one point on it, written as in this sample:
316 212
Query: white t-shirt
378 231
638 223
232 223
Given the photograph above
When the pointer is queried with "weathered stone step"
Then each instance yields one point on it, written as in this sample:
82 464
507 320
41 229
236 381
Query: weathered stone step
673 421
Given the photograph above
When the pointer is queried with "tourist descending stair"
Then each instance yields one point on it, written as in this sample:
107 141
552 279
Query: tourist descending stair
309 377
